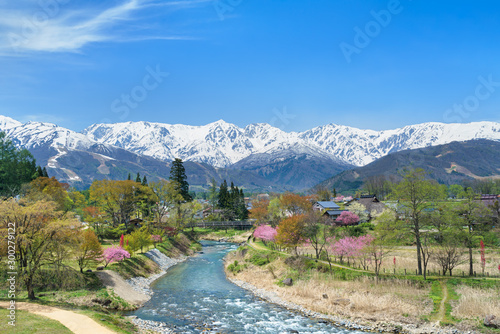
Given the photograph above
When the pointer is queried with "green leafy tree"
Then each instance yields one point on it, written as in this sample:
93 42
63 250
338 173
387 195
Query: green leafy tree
88 249
40 228
416 195
140 238
455 190
116 198
475 217
167 196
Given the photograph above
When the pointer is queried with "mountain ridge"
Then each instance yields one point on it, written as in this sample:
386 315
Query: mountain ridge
265 154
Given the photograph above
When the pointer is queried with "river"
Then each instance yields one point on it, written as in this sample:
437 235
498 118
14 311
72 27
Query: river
195 296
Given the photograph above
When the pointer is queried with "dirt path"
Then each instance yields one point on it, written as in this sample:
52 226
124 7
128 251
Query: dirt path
77 323
113 280
442 307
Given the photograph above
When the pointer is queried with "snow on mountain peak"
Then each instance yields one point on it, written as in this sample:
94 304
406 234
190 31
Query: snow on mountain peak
222 144
8 123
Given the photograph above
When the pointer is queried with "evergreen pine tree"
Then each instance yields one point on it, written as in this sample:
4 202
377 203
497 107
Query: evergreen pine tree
242 209
39 172
16 167
213 195
223 196
178 175
44 171
138 178
144 181
129 177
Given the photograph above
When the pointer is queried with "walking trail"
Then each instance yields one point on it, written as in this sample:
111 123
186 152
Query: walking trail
75 322
442 308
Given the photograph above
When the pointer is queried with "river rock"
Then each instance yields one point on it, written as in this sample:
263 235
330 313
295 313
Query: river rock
100 268
288 281
342 301
491 321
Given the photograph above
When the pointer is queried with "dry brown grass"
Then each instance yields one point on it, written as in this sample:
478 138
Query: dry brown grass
397 300
477 303
406 258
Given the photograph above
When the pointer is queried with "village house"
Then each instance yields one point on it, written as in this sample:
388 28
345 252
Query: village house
370 202
329 208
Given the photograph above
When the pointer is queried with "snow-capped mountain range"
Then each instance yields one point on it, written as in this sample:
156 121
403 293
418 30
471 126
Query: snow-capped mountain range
222 144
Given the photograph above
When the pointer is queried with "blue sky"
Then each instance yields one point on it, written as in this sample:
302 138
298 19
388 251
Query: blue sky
294 64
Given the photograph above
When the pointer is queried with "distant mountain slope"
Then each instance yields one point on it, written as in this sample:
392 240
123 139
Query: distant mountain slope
74 158
448 164
299 167
259 154
222 144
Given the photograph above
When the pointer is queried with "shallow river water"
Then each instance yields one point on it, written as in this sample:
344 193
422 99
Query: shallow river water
195 297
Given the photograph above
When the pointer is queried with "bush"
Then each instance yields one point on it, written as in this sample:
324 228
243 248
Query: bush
367 226
112 233
259 260
235 267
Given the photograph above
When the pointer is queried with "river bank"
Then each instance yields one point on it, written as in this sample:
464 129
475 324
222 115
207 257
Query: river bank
261 282
143 284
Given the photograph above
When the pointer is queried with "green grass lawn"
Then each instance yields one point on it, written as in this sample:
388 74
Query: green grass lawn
29 323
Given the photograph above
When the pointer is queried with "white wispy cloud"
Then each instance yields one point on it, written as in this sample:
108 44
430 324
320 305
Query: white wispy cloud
66 29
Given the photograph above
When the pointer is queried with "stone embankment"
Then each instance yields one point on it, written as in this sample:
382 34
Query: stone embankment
142 285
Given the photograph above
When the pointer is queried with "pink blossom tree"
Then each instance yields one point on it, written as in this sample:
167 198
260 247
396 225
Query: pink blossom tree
350 247
266 233
347 218
114 254
339 198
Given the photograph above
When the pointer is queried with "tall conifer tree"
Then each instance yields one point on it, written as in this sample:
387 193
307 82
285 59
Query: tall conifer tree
178 174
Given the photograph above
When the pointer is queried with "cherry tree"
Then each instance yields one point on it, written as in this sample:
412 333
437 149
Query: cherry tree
347 218
265 232
350 247
114 254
